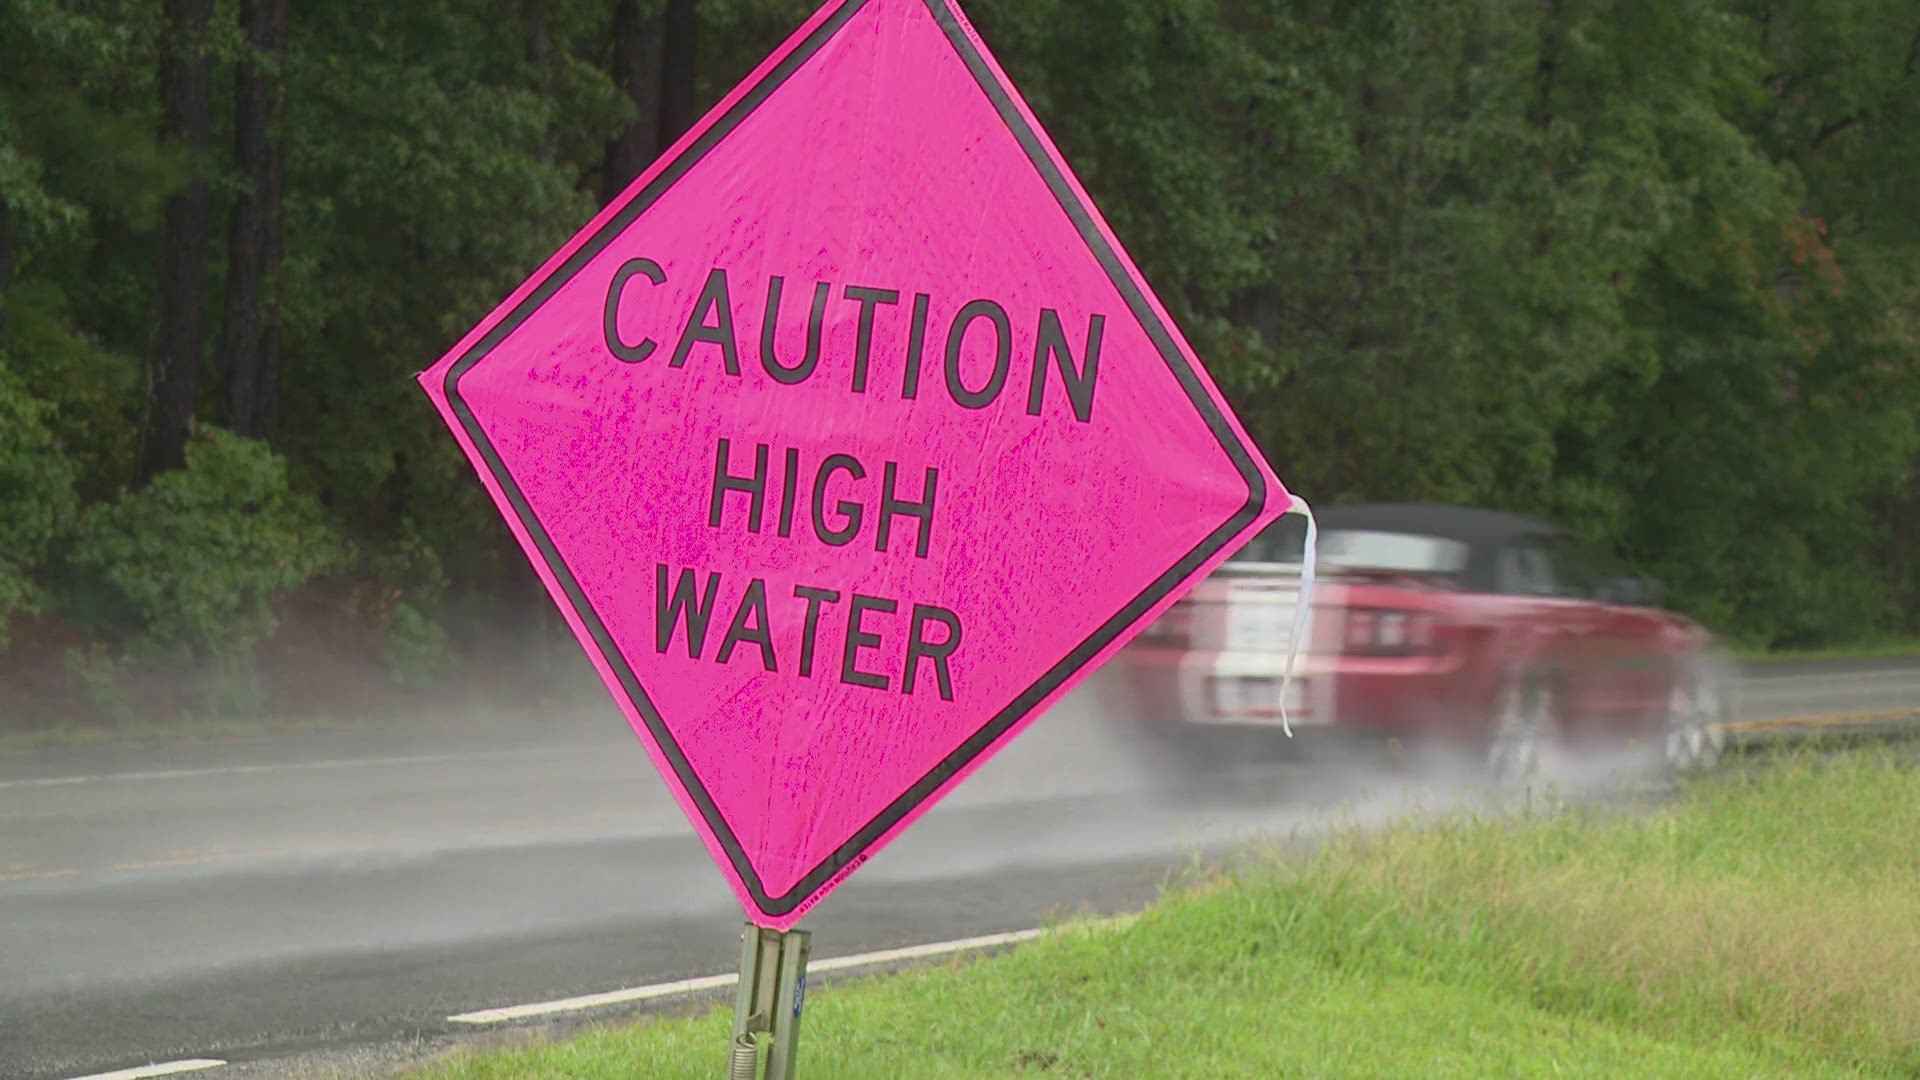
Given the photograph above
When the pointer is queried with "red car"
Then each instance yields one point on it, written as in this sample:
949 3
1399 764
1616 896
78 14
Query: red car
1493 632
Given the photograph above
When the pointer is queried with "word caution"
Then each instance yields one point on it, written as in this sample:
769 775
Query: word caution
711 324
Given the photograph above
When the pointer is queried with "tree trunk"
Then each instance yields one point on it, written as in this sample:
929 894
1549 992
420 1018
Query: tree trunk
186 77
1546 67
637 48
1546 73
6 264
253 242
681 37
540 59
267 392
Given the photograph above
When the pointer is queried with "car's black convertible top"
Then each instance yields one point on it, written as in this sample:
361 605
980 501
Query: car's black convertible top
1467 525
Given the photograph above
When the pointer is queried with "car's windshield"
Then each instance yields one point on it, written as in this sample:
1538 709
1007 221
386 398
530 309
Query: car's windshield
1392 551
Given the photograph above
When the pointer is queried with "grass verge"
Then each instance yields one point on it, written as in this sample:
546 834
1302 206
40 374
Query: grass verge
470 717
1890 648
1766 925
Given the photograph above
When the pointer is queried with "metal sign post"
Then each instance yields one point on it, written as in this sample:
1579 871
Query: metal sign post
773 983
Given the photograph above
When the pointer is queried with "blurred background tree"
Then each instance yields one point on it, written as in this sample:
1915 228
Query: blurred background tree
1650 267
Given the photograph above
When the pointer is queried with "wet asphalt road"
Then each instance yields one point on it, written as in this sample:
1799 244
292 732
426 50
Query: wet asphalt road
262 900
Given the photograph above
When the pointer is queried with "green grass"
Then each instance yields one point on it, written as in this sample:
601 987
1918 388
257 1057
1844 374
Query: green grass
1768 925
470 716
1886 648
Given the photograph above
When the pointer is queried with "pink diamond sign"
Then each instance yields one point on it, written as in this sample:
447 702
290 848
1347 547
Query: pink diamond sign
847 440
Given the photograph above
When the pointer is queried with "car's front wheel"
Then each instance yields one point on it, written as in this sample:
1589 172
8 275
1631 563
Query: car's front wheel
1697 709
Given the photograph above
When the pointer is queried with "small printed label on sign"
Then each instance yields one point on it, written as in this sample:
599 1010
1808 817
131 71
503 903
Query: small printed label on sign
799 995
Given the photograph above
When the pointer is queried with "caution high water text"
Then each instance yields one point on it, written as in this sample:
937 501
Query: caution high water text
814 495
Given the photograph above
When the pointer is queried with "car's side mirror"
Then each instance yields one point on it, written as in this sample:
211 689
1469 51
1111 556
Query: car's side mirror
1640 592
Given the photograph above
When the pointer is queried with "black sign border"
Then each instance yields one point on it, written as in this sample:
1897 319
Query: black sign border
855 849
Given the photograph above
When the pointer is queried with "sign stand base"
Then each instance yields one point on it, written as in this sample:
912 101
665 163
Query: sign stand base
773 983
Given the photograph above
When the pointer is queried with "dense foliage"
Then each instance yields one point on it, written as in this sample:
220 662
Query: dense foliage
1651 267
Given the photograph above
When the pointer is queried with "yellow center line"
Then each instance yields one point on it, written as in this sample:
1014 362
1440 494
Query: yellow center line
1827 720
169 863
40 875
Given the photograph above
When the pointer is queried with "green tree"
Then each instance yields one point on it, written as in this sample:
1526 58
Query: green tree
36 497
1651 267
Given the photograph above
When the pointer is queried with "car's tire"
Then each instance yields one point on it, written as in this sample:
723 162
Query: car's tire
1191 764
1524 730
1692 737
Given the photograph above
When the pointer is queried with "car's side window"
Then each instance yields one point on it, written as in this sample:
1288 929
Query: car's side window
1526 570
1575 573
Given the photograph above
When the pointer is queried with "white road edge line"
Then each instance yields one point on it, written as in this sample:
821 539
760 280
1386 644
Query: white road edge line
168 1068
721 982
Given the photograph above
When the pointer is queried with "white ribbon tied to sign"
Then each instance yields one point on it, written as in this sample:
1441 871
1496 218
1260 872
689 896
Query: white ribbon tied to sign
1302 606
